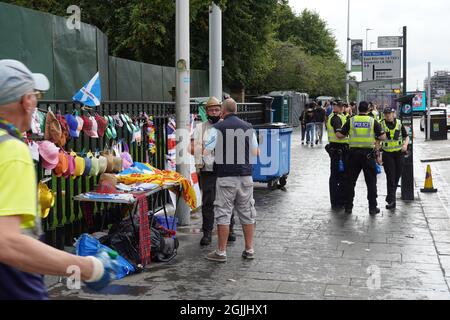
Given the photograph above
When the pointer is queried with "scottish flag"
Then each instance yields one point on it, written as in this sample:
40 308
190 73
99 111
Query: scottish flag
91 94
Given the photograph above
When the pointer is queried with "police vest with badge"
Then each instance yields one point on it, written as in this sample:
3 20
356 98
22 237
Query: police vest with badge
394 140
362 132
332 138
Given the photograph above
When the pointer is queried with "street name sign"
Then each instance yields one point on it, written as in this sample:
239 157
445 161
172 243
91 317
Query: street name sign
381 65
390 42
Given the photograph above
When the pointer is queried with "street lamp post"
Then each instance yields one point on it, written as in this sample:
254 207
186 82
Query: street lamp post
348 67
367 31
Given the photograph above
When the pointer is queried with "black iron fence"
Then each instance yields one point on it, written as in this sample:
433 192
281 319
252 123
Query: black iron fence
65 220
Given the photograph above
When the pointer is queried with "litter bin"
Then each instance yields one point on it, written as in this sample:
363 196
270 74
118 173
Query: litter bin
272 166
438 124
267 101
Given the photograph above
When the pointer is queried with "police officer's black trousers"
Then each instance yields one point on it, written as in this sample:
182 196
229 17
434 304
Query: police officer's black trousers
338 183
393 166
358 160
208 187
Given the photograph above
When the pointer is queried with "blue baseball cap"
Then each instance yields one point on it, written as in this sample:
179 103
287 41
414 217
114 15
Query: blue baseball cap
88 166
16 80
73 125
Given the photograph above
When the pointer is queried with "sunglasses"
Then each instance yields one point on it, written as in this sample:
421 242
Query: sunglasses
39 95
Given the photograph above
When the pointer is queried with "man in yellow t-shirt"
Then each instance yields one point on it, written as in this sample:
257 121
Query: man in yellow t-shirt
23 258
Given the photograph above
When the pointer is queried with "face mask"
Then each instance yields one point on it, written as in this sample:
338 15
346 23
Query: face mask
213 119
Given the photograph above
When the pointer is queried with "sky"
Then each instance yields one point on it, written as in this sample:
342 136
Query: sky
427 21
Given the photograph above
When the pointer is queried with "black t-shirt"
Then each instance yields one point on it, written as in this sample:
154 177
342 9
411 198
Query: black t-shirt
376 126
392 125
336 122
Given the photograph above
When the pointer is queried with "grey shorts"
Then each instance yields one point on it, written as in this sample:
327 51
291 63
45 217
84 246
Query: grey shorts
234 193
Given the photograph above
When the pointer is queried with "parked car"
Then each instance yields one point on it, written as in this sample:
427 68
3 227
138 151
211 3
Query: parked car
423 119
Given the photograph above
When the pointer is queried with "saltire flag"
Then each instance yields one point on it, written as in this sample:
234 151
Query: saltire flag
91 94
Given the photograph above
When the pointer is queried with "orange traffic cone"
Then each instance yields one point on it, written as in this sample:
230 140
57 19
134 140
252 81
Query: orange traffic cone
428 182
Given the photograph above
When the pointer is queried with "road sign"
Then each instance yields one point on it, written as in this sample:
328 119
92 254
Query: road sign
381 65
390 42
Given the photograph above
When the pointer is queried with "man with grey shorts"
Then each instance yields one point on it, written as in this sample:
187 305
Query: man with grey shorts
234 143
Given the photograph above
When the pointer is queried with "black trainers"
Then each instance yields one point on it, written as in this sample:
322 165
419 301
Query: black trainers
206 239
248 256
232 236
374 211
391 206
348 210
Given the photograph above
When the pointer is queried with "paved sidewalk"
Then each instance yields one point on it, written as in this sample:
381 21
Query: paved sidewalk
306 251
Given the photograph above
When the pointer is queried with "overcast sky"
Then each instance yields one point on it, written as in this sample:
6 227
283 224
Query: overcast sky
428 25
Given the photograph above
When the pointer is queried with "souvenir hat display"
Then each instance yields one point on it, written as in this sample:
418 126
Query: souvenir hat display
38 123
63 164
87 167
79 165
49 153
111 132
46 199
102 164
102 124
127 160
65 136
94 165
70 172
53 131
109 161
90 126
72 123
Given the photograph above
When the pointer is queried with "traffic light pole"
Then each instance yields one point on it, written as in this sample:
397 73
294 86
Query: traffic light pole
407 185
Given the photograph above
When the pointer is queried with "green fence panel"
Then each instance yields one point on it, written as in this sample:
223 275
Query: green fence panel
129 80
26 35
103 63
75 53
112 78
169 81
152 85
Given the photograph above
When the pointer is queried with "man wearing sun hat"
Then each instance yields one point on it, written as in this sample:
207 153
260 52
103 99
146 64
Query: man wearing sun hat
23 258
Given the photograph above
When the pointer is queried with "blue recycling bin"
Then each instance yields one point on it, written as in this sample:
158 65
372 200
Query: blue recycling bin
273 164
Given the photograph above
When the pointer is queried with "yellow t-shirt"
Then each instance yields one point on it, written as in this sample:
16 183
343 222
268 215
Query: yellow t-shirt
18 189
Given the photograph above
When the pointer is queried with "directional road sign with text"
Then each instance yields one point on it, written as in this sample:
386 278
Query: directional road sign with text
381 65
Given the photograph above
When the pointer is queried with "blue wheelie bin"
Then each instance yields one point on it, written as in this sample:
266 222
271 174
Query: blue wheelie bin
272 166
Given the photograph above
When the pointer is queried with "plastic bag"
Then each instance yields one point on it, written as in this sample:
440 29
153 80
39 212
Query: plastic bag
87 245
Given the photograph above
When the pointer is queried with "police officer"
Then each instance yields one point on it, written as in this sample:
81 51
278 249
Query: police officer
362 131
338 151
393 149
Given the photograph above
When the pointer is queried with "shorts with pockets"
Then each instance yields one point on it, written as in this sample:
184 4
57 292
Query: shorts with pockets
234 193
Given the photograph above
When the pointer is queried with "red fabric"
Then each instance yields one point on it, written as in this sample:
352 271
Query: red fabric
144 230
88 214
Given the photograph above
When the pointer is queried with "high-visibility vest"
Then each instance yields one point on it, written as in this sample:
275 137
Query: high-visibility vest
362 132
331 134
394 140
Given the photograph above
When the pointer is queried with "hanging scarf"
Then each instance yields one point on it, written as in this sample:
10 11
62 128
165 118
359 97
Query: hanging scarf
144 229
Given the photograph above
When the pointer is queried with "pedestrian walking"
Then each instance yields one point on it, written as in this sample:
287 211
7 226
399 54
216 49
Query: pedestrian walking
319 118
23 257
235 144
310 124
363 131
303 125
338 152
394 149
206 170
